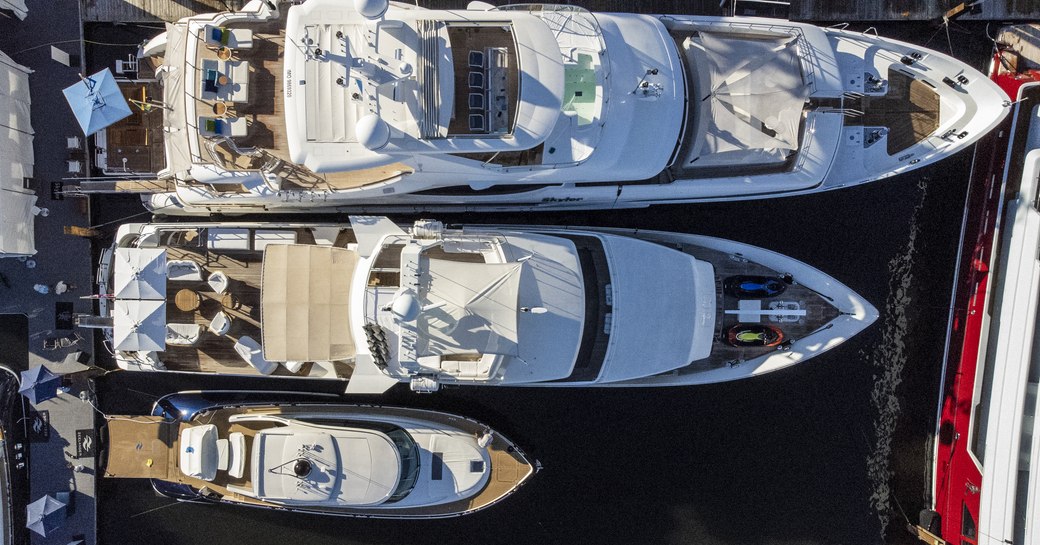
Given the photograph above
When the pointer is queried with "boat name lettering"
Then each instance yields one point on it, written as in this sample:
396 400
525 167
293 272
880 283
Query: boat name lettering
288 83
563 199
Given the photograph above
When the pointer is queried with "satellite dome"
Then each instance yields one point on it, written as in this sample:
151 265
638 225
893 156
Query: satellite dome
372 132
371 9
405 307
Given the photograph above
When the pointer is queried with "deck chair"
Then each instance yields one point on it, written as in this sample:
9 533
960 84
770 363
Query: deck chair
476 123
221 324
476 101
68 341
129 66
183 270
250 350
235 126
476 80
219 282
235 462
183 334
476 59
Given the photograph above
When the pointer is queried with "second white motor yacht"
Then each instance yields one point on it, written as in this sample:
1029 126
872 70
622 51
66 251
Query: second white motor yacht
480 305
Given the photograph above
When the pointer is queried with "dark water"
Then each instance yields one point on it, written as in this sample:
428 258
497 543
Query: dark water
824 453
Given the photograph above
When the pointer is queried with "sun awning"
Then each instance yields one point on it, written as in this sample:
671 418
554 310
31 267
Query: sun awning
470 308
305 302
97 101
756 96
139 325
140 273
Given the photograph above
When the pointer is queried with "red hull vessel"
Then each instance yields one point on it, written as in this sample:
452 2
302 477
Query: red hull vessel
963 405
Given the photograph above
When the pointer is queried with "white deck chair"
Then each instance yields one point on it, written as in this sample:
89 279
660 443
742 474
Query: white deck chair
183 334
236 464
218 282
184 270
250 350
220 324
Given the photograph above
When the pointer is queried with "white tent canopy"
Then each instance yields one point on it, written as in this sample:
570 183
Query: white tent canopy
178 154
16 224
17 6
16 160
140 273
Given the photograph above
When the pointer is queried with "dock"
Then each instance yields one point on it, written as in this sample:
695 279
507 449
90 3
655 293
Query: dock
143 11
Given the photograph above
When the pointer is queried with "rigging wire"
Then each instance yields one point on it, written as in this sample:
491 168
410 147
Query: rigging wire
74 41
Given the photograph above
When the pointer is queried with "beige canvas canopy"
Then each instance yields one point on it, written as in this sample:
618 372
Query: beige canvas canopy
305 302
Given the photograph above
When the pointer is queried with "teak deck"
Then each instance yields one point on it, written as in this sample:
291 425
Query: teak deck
264 113
212 353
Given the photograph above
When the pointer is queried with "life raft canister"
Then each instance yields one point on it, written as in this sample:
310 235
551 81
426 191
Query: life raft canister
754 335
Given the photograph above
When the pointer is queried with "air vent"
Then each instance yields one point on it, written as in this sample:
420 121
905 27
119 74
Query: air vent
437 466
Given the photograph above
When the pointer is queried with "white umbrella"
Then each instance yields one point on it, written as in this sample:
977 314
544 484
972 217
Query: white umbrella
140 273
139 325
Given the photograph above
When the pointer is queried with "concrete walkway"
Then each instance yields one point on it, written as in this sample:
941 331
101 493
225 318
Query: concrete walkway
59 257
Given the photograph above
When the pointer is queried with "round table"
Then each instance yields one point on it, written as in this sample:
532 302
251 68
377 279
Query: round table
187 300
222 80
221 109
224 53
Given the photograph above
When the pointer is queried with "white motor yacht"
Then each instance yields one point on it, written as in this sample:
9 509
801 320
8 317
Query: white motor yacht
364 461
481 305
333 105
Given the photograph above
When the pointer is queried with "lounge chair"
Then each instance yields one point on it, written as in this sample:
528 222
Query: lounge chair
250 350
235 126
183 334
220 324
183 270
219 282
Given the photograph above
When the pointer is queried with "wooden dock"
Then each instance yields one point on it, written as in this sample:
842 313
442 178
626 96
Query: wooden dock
146 11
139 11
905 10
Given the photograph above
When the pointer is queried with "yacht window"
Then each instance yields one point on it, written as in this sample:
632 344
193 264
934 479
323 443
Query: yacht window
409 463
967 523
